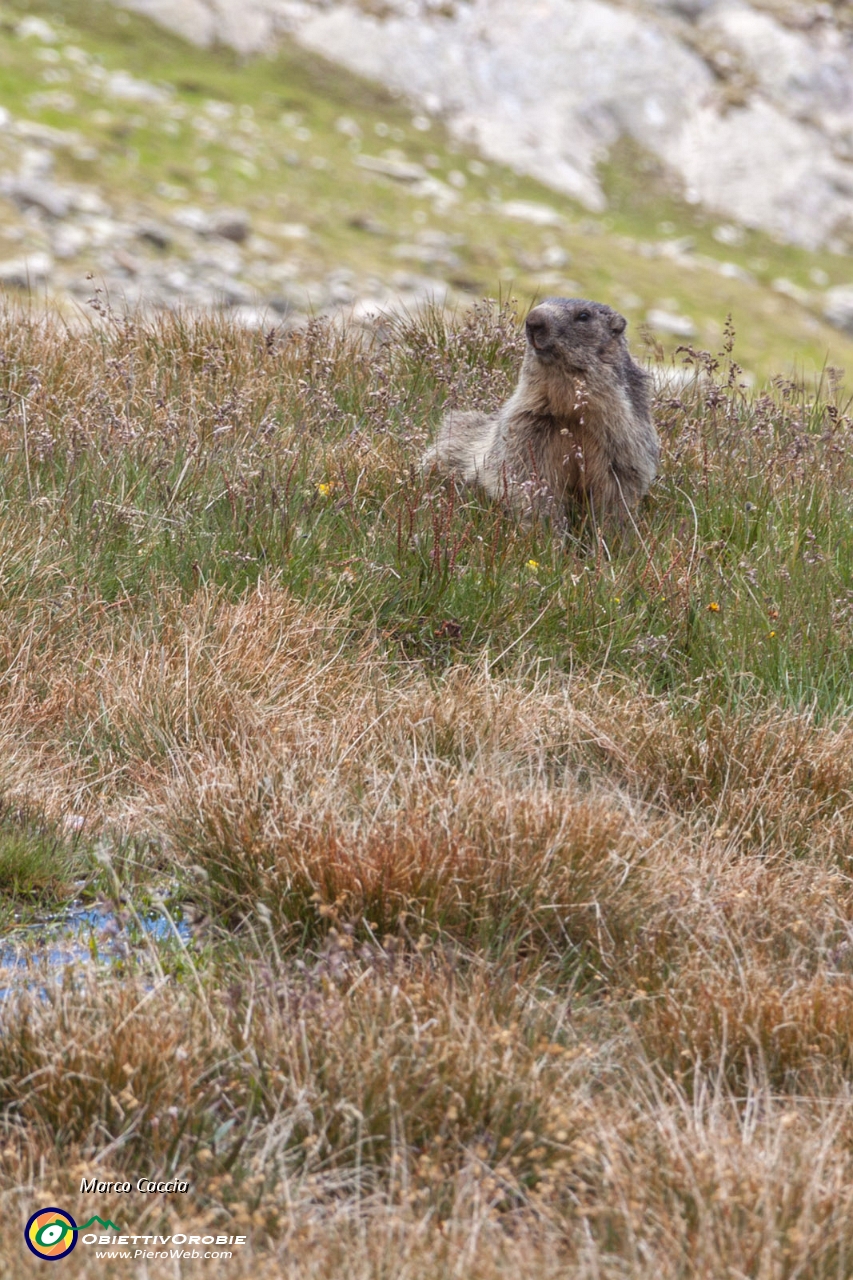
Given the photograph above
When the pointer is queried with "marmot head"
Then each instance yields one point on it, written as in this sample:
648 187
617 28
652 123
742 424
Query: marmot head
574 335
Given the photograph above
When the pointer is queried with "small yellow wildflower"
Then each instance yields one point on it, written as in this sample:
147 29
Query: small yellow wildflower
617 599
713 607
533 564
771 634
325 489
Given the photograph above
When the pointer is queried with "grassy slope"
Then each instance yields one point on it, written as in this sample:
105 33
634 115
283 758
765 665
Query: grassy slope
775 334
524 871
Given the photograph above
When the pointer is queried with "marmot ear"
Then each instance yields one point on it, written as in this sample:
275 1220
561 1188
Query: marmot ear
618 324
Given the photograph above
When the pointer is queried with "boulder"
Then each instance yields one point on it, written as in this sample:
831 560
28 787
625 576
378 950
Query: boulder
155 233
838 307
122 85
667 322
39 193
231 224
400 170
26 272
541 215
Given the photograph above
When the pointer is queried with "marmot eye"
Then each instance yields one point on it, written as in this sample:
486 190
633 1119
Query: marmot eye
583 315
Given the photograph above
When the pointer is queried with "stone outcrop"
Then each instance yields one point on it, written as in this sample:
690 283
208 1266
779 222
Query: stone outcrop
754 117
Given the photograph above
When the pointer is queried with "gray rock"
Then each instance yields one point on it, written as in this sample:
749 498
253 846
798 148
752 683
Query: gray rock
88 200
231 224
442 195
400 170
541 215
193 218
34 162
103 232
556 257
35 131
249 28
224 258
667 322
838 307
306 298
232 292
32 190
53 100
126 263
425 254
802 75
414 289
790 290
26 272
691 9
122 294
35 29
178 279
124 86
252 317
39 193
731 271
367 310
364 222
68 240
729 235
155 233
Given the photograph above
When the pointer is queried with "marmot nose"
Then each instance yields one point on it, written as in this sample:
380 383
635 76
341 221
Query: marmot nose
538 330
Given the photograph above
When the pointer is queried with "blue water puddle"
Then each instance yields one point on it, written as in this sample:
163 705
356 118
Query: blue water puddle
80 935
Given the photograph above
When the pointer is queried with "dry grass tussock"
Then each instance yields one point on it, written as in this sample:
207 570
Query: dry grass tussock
520 874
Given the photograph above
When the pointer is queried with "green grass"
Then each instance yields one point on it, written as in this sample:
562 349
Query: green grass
738 587
37 863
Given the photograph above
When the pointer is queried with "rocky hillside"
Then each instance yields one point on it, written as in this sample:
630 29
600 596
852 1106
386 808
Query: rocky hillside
751 106
138 169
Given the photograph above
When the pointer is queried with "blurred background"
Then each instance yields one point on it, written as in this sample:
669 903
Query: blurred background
681 160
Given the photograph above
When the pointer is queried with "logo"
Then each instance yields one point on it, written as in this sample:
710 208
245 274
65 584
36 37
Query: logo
51 1234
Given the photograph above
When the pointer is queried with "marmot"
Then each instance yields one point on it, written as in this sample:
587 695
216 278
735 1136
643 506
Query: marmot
576 433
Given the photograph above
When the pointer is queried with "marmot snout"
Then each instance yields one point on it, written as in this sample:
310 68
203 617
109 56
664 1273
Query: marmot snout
576 432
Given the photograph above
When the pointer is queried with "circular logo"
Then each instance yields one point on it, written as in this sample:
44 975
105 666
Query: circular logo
51 1234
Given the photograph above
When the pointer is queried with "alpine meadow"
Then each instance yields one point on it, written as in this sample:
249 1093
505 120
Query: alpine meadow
507 879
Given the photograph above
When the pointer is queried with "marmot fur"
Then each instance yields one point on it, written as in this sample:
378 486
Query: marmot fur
577 433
